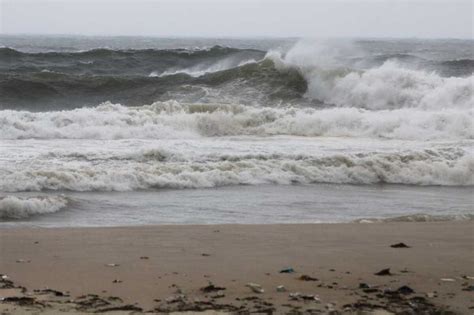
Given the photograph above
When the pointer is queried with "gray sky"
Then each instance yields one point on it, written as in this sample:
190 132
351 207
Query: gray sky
244 18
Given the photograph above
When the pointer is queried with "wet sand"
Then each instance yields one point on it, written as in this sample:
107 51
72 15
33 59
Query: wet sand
165 268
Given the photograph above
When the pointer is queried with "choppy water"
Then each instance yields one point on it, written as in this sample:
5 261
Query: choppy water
120 131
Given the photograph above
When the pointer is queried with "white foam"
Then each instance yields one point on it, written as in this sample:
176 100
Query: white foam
171 120
13 207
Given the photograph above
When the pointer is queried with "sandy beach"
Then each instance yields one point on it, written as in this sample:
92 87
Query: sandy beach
176 268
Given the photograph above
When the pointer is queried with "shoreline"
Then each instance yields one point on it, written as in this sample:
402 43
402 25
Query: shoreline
263 204
163 268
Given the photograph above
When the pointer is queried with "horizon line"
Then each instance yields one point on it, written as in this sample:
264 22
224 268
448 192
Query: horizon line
274 37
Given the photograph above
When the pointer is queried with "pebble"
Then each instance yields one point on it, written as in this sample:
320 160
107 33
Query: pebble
255 287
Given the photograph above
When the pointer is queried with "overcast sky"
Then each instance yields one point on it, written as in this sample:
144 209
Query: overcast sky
244 18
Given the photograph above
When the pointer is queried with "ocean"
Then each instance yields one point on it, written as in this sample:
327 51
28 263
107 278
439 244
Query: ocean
114 131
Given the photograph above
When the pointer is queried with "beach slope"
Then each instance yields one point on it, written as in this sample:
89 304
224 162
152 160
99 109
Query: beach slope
175 268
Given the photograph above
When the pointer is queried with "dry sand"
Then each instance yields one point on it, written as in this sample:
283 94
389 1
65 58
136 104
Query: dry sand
163 268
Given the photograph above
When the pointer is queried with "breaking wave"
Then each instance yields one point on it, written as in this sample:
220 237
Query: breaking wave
12 207
171 119
153 169
391 85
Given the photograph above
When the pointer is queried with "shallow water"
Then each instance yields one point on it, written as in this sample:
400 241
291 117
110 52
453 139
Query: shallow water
264 204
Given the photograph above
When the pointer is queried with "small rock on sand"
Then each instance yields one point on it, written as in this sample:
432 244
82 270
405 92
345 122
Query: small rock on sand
384 272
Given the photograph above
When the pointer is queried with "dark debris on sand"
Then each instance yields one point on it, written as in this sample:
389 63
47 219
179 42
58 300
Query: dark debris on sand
399 245
371 298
